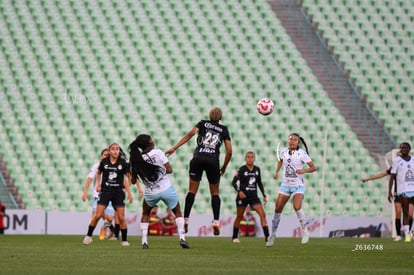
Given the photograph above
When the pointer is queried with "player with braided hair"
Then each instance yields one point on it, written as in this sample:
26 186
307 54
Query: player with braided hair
152 166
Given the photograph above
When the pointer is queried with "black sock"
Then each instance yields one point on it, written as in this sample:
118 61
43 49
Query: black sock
235 232
124 234
410 222
116 231
266 231
90 230
111 227
189 201
398 226
215 204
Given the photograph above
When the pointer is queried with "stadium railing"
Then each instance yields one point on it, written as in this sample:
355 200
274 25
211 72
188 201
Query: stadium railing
5 196
361 111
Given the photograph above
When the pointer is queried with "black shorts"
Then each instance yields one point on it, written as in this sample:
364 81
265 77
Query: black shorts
397 198
117 197
210 165
243 203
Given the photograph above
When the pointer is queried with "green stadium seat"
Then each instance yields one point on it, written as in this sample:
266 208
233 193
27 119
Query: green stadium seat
151 67
377 27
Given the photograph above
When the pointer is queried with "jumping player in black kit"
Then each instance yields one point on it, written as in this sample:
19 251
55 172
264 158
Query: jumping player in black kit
206 158
113 170
250 178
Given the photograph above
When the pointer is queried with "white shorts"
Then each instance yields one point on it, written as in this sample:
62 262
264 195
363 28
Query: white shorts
409 195
169 197
289 190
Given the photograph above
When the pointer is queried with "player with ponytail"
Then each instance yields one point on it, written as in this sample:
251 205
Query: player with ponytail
114 172
293 158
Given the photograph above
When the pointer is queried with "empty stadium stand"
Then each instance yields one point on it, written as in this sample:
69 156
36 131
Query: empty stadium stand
78 75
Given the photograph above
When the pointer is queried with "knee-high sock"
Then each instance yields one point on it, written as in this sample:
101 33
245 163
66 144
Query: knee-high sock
275 223
302 219
266 231
406 230
144 232
180 227
235 232
215 204
124 233
116 231
189 201
90 230
398 226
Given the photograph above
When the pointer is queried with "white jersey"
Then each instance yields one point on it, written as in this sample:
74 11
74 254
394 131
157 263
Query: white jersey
292 162
92 175
156 157
404 171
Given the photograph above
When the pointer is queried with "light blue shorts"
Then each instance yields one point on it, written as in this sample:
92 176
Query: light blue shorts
169 197
110 211
292 190
409 195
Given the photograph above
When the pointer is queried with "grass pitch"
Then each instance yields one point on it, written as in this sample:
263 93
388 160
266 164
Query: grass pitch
22 254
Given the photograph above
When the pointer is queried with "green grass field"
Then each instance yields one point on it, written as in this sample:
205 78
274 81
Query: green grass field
22 254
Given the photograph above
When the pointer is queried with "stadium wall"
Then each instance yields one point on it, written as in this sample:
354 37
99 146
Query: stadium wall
30 222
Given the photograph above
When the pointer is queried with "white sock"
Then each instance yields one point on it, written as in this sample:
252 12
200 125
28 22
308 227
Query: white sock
180 227
406 229
275 223
144 232
107 224
302 219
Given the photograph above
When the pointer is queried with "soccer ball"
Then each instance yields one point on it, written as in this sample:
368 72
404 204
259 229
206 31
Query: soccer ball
265 106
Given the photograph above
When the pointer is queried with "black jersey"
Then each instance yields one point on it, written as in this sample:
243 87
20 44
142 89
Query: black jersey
249 181
113 174
210 137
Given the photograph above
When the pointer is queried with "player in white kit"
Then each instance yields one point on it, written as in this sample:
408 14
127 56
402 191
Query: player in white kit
293 159
151 166
402 174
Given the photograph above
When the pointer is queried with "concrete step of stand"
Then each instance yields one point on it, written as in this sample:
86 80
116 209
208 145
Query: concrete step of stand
284 13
